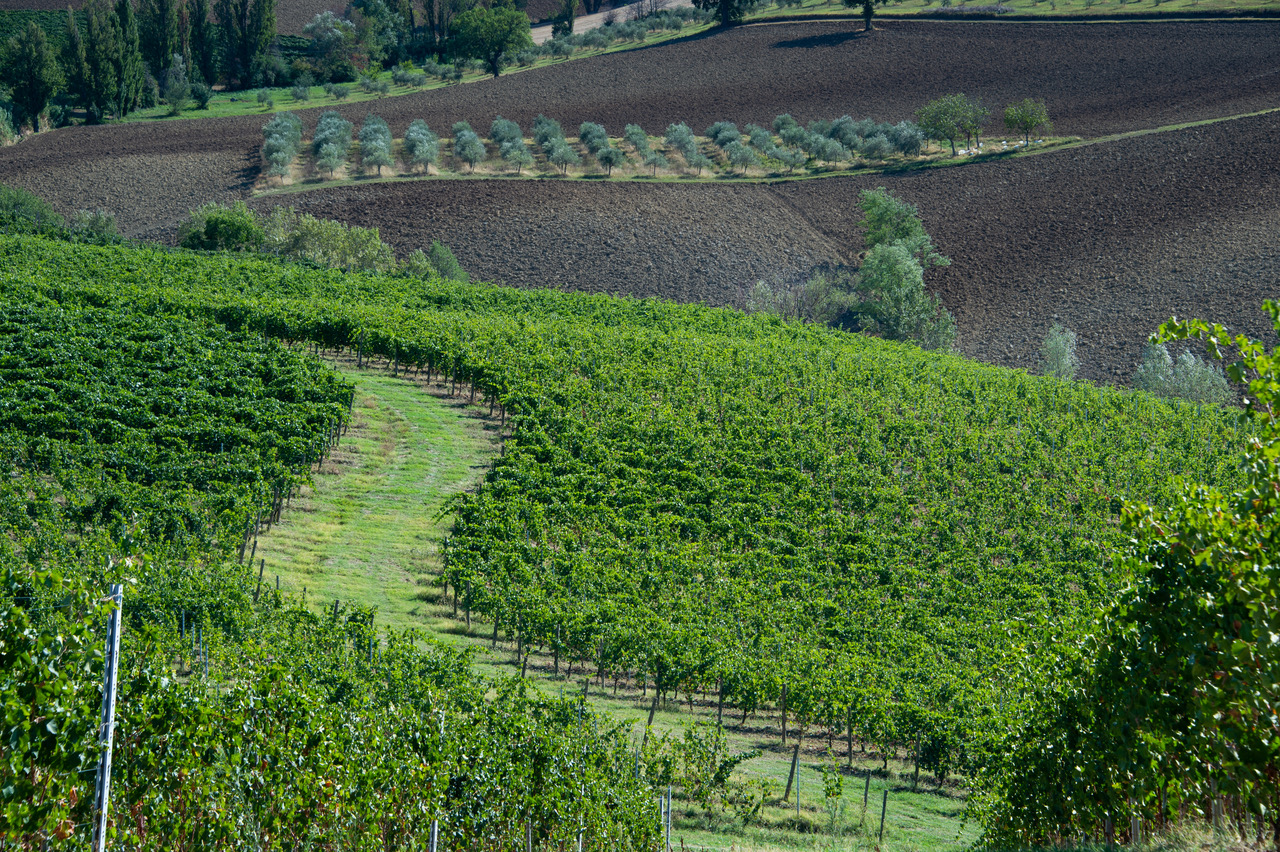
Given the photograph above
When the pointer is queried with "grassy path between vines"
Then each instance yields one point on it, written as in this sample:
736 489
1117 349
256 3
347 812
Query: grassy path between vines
368 533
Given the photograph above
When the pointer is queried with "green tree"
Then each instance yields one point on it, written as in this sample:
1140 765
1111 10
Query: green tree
491 35
468 147
1168 701
729 12
903 310
130 73
75 63
160 33
31 69
950 117
1025 116
246 29
610 158
177 88
562 22
203 43
868 10
888 219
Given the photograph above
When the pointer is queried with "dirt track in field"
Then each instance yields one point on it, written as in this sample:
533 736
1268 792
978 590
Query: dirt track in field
1113 237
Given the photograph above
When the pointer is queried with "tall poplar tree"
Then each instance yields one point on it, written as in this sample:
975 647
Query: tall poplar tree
30 67
159 25
246 29
130 72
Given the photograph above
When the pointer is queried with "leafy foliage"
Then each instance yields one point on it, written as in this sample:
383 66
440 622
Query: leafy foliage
1165 705
1058 353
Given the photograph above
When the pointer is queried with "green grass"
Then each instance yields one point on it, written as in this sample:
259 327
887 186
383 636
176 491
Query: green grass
367 533
1040 8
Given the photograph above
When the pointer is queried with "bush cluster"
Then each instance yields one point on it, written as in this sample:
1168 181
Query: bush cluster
285 232
1188 377
281 141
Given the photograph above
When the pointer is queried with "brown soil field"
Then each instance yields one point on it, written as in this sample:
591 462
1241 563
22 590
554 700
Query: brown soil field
1109 239
1096 78
1116 236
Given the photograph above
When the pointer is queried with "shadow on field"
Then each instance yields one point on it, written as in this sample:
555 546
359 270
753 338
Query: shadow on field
824 40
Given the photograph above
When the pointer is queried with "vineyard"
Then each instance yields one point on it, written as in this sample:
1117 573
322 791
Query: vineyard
854 534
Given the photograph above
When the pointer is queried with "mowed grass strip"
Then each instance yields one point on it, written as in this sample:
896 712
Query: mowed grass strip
368 531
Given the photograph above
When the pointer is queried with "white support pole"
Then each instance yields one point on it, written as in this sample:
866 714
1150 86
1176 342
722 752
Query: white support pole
106 734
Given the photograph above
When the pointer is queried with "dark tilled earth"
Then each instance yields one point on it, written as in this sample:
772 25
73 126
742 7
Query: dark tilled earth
1109 238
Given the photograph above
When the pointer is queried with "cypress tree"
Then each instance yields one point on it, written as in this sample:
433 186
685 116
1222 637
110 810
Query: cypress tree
102 58
73 63
203 48
31 69
130 73
160 31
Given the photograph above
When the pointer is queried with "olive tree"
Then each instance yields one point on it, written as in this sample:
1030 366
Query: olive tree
1058 353
468 148
1025 116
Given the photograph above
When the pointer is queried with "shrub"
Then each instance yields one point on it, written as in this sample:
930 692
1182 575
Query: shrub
1058 353
301 93
219 227
783 123
443 261
23 211
324 242
265 100
98 222
1189 377
417 265
335 91
421 145
201 94
525 58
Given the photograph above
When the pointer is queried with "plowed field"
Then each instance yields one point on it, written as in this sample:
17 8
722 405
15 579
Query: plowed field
1110 238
